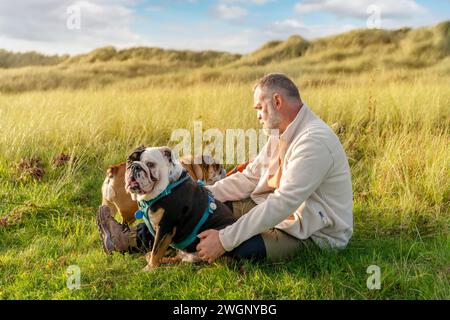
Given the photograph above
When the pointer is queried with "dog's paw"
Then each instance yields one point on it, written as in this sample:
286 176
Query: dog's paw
170 260
189 257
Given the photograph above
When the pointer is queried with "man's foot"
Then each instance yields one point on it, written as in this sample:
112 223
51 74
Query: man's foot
114 236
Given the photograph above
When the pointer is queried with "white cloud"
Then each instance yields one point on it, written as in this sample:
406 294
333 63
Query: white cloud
358 8
289 24
41 25
28 24
244 41
154 8
285 28
229 12
259 2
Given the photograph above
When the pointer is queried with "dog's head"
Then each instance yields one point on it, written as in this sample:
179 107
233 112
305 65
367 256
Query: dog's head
204 168
215 170
150 170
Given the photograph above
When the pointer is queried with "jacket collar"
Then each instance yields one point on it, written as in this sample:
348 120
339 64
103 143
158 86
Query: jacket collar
296 125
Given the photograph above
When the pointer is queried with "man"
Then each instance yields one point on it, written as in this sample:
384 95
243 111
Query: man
296 193
299 184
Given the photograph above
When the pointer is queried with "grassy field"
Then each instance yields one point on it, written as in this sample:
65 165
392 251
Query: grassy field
396 135
385 94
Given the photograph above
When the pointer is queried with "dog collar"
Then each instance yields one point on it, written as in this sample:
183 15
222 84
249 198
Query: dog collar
144 206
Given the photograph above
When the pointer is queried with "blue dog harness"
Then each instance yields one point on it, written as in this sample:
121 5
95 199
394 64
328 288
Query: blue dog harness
144 209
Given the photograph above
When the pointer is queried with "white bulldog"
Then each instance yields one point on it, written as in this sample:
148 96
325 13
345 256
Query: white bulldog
149 171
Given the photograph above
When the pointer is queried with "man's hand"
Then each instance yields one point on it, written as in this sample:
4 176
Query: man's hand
210 248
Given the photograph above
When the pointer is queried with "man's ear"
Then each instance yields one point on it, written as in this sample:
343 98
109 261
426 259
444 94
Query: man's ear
277 100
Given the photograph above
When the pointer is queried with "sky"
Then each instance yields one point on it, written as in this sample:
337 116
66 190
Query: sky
238 26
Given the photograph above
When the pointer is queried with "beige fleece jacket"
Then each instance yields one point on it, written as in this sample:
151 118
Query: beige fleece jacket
315 188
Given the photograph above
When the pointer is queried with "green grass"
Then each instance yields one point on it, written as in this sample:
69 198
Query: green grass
394 126
35 256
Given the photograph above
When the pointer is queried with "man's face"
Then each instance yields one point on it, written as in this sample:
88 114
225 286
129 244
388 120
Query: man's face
267 114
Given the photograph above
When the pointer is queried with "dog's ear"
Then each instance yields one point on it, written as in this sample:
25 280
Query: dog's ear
175 167
168 154
112 171
136 154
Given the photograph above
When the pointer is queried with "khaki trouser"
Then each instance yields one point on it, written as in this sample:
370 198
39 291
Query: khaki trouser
279 245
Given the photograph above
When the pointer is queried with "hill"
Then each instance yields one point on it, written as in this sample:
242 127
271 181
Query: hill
16 60
351 52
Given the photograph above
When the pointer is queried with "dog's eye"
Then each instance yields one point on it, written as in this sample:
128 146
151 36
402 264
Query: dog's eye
150 165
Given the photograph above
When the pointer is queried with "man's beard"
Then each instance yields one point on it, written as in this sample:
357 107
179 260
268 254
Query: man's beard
272 125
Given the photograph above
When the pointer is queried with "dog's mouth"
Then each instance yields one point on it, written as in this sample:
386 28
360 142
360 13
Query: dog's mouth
134 186
141 185
139 180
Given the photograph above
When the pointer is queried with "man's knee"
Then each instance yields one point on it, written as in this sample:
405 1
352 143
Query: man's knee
280 245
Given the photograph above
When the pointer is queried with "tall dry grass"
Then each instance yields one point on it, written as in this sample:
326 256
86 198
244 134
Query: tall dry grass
396 134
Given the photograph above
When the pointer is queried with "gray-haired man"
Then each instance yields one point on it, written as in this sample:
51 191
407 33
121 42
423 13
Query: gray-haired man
298 187
295 193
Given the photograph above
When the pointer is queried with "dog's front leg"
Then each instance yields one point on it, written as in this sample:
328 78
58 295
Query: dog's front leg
163 239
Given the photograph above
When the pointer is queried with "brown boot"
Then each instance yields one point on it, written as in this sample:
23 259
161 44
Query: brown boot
114 236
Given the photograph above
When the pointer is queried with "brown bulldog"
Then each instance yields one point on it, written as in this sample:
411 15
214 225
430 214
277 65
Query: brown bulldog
117 199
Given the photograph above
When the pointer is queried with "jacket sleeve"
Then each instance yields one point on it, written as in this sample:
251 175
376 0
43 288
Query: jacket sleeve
307 166
240 185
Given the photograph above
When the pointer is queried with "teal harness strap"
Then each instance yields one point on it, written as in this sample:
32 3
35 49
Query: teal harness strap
144 207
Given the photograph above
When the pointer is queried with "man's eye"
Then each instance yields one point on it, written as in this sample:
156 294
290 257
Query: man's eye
150 164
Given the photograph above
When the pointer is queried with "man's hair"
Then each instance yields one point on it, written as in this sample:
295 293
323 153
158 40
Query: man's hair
274 81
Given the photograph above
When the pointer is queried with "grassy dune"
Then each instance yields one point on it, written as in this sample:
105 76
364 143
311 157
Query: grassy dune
393 122
353 52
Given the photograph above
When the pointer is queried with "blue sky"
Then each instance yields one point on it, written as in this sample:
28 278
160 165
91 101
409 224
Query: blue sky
226 25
